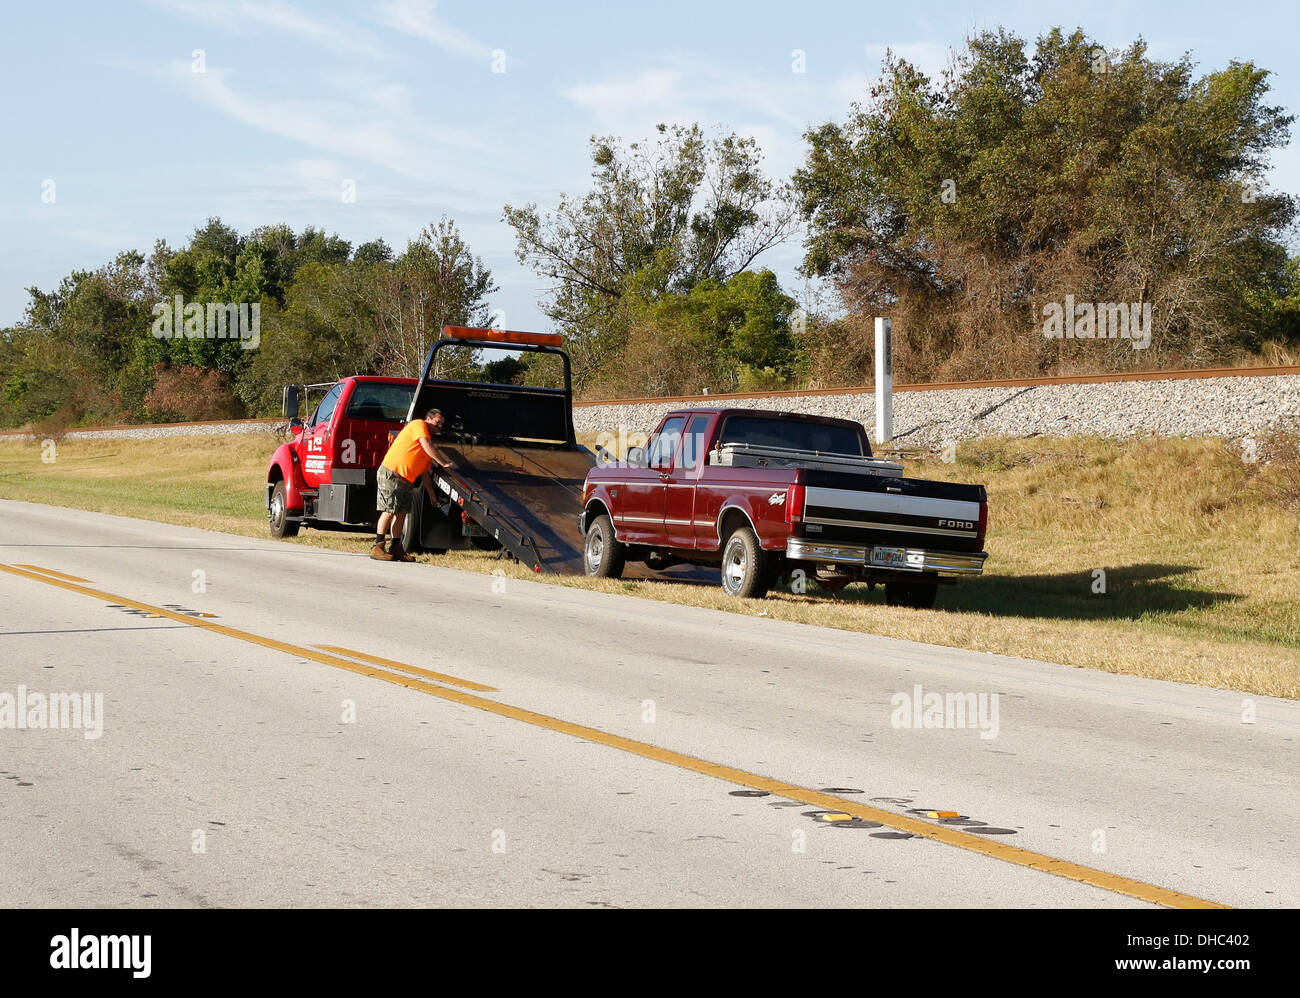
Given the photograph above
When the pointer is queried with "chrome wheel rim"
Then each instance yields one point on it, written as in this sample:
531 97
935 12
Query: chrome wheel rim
277 509
733 566
595 551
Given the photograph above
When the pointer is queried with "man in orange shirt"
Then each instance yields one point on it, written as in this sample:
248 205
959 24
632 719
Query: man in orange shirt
408 460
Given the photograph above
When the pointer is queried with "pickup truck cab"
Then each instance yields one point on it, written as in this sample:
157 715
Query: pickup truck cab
762 494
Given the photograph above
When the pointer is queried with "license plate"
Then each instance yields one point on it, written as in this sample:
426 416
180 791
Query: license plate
910 561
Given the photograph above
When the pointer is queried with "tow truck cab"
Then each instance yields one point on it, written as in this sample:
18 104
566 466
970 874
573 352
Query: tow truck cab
325 475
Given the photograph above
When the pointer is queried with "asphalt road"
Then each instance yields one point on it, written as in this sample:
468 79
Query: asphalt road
624 752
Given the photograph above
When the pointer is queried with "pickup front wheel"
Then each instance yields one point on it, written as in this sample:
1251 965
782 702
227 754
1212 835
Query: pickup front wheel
603 554
746 567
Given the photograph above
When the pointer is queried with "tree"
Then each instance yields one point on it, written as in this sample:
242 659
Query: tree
732 335
436 282
659 219
962 207
325 331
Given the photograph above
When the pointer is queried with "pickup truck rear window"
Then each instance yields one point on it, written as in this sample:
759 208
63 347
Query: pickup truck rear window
766 431
376 400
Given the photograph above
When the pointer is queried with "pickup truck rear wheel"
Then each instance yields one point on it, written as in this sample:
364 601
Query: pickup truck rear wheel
603 554
918 595
746 567
278 515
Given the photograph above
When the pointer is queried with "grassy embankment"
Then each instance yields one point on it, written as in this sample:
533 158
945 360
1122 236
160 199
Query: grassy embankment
1200 550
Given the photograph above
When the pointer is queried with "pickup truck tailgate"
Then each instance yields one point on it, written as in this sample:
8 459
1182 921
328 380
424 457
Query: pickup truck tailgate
908 512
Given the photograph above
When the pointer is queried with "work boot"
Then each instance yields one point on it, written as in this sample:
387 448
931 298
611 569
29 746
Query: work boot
379 554
397 552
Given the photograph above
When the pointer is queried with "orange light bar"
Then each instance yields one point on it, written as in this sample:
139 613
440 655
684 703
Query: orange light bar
502 336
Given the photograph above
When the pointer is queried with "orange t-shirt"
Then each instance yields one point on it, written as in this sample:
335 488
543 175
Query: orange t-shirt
406 457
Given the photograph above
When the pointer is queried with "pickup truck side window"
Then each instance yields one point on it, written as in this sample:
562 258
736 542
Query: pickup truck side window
693 443
664 444
326 407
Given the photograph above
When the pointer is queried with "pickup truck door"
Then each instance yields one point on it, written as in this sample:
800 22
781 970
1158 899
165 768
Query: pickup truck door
317 452
679 501
645 489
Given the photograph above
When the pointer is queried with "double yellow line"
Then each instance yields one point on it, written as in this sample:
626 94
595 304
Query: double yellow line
330 655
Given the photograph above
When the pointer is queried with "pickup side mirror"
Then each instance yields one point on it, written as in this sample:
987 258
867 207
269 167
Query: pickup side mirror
290 402
295 426
636 458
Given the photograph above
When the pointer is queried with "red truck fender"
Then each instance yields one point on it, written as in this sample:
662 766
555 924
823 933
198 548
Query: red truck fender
748 509
285 467
595 503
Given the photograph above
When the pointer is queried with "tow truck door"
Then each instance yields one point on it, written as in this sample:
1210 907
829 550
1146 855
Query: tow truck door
317 462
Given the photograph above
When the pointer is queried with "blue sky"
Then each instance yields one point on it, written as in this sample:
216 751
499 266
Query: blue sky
400 97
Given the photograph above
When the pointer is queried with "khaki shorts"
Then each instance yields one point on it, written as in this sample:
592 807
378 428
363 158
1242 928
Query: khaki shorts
394 494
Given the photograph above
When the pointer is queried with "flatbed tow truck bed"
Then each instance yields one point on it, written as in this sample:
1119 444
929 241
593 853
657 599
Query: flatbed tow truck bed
528 498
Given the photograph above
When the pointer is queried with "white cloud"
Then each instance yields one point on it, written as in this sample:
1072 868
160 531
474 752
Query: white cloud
654 88
419 19
239 16
402 144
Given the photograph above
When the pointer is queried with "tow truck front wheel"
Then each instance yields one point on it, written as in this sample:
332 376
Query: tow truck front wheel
278 515
603 554
746 567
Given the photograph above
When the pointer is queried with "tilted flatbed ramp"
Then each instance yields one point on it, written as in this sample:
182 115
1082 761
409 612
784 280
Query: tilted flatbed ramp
529 498
519 470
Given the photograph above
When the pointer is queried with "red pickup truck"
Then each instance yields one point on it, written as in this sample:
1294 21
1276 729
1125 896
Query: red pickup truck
762 494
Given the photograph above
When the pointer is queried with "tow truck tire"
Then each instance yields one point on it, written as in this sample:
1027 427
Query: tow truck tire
411 534
603 554
746 567
917 595
281 525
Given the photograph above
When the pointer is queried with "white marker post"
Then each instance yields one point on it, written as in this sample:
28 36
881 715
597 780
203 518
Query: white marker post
884 381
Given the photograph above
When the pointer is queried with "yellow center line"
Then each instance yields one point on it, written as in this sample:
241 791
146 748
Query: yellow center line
59 575
415 670
916 826
230 632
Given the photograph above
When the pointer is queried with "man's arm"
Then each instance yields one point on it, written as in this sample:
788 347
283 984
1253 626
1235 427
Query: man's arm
433 453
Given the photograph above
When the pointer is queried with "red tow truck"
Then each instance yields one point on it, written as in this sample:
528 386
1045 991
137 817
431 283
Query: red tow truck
518 469
761 494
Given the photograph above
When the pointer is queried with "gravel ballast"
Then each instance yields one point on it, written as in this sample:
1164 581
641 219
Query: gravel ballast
1233 408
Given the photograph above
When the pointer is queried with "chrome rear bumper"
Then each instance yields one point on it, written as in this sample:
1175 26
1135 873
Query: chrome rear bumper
919 560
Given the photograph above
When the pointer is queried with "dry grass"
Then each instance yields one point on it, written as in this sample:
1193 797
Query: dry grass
1202 560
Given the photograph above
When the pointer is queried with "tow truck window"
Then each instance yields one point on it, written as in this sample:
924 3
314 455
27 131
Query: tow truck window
794 433
326 407
377 400
693 443
665 442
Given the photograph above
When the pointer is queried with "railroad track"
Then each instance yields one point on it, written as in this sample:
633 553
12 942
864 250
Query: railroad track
1077 379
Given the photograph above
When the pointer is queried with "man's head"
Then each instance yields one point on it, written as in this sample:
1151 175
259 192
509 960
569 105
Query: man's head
434 418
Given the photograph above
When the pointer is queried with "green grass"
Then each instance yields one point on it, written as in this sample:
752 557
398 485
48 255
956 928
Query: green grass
1202 561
